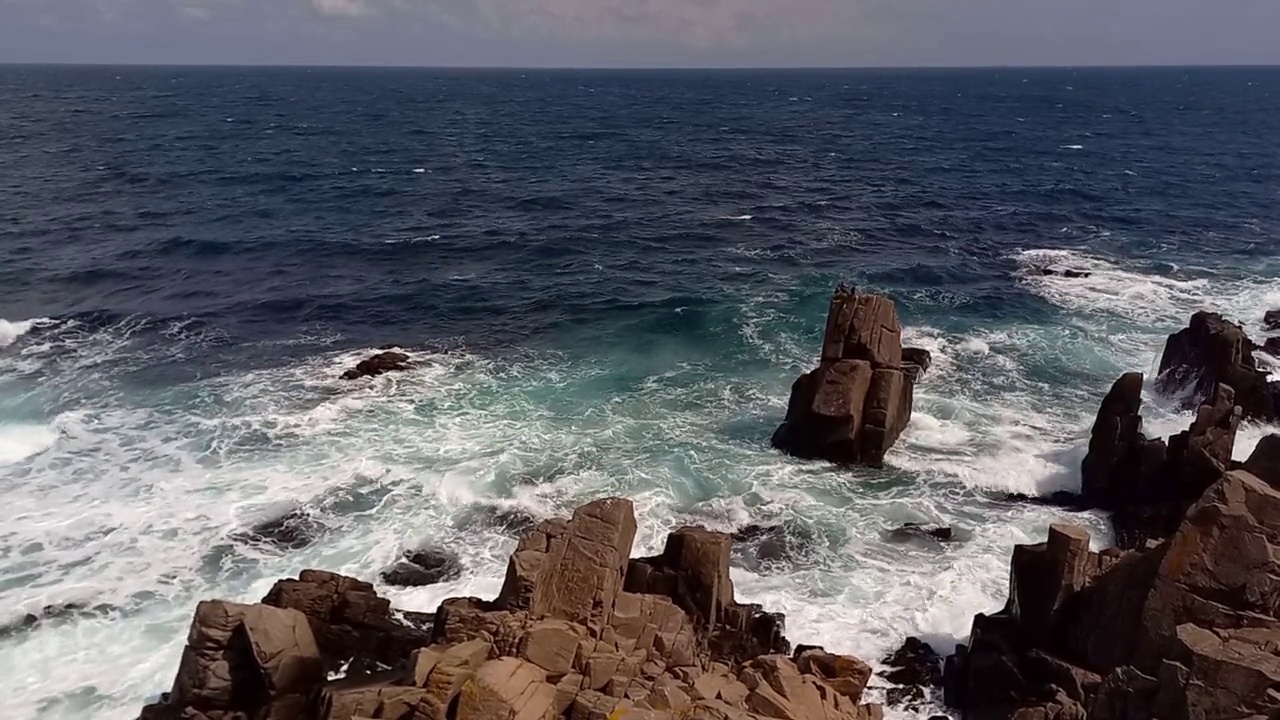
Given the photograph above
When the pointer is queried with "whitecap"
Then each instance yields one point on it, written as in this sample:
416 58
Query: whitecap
975 346
1071 147
19 442
11 331
741 218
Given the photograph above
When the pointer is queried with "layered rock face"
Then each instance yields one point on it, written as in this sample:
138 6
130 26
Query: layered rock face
855 404
579 630
1187 628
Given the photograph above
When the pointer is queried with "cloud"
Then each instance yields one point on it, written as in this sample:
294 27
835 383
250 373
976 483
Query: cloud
342 8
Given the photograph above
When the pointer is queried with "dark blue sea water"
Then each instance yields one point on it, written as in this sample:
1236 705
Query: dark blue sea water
612 279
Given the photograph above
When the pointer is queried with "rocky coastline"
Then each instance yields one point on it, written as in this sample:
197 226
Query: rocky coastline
1179 621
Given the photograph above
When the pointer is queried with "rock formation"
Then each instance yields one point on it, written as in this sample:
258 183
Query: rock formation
1186 628
855 404
426 566
580 630
1212 351
1148 484
383 362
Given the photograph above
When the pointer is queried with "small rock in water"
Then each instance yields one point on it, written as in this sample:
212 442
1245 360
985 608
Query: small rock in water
427 566
383 362
787 542
1272 346
1271 320
1062 272
63 611
909 531
916 362
294 530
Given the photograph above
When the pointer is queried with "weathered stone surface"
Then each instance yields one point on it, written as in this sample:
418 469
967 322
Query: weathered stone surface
507 689
383 362
855 404
1212 351
349 620
579 631
241 657
845 674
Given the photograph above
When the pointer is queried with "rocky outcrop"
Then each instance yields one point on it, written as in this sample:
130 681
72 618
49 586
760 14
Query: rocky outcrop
1186 628
579 630
854 405
1211 351
383 362
1148 484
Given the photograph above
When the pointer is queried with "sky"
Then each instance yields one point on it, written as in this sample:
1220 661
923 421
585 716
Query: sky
643 33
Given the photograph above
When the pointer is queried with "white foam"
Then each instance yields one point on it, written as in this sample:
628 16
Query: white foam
975 346
19 442
741 218
1071 147
10 331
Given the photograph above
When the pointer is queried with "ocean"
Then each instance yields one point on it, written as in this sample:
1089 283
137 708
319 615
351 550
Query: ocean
611 280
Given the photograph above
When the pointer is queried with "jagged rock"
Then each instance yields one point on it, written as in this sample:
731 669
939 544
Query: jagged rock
427 566
240 658
1147 484
915 669
349 620
1184 628
853 407
910 531
293 530
383 362
1213 351
578 631
916 362
1271 320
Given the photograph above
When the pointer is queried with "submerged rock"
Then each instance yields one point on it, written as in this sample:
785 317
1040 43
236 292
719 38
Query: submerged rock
59 612
1060 272
427 566
787 543
294 530
383 362
910 531
854 405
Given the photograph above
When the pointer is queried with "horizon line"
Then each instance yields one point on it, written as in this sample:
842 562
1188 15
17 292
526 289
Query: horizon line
645 68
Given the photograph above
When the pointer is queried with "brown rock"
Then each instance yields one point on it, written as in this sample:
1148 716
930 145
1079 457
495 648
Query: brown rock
552 645
846 675
239 657
348 619
853 407
507 689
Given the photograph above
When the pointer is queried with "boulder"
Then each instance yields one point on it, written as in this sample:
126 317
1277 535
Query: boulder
507 689
426 566
1271 320
854 405
383 362
845 674
1271 346
1213 351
